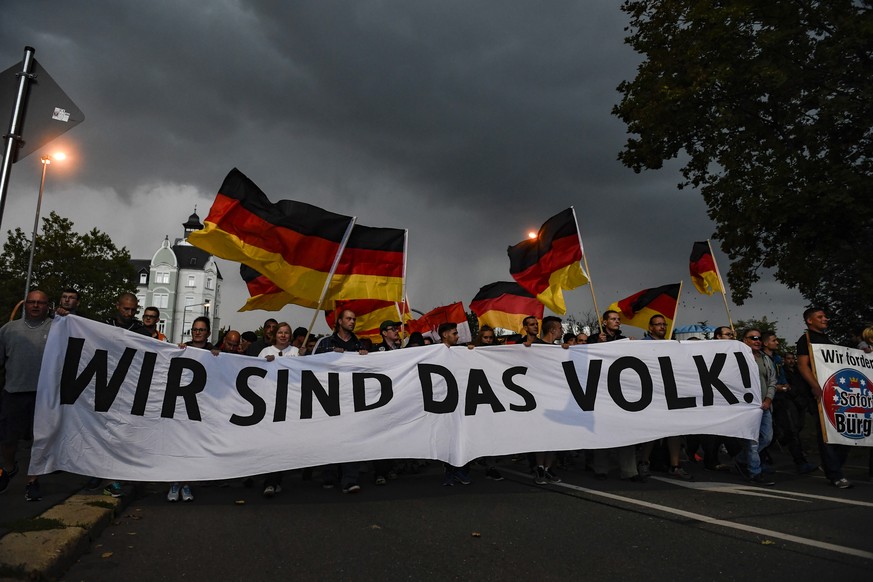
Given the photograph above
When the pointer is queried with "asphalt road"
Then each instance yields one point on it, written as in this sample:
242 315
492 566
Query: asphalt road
714 528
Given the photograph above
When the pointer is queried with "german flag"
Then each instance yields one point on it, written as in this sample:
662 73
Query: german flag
428 323
704 272
370 314
505 305
546 265
294 245
264 294
637 309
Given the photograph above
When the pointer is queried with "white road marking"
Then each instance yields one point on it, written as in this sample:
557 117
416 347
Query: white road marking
769 533
758 491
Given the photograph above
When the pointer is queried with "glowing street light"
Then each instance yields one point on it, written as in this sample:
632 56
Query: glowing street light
46 160
531 235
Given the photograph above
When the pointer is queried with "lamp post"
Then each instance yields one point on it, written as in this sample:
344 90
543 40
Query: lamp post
205 306
46 160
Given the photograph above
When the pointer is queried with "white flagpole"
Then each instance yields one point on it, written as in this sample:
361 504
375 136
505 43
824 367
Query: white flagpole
333 267
721 284
403 293
587 271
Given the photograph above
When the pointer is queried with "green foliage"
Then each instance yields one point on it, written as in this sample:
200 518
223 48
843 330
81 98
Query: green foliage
768 105
63 258
762 325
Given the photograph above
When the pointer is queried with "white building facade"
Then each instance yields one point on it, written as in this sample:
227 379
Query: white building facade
183 282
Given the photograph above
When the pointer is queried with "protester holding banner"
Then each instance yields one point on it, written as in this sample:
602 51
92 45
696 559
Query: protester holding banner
343 339
281 347
543 471
833 457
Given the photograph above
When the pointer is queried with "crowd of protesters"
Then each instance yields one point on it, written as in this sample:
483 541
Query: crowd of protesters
789 395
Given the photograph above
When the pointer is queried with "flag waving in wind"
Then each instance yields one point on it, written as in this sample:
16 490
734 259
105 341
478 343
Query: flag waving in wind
505 305
704 272
637 309
295 244
549 263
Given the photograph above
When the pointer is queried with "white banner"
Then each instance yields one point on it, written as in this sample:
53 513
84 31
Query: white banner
846 407
117 405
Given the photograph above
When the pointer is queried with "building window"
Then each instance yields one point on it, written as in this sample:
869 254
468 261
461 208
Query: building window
161 300
143 278
191 280
209 282
162 325
163 277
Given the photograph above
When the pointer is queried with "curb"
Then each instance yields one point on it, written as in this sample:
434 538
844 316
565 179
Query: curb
47 554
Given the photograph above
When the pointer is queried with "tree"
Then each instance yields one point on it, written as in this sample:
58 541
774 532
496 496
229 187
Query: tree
768 105
63 258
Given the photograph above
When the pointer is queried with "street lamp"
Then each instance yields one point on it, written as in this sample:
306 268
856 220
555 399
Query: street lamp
205 306
46 160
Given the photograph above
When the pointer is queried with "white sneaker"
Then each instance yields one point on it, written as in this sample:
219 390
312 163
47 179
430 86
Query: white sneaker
173 493
186 493
269 491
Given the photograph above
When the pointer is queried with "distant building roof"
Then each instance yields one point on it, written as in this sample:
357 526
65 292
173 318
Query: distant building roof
140 264
190 257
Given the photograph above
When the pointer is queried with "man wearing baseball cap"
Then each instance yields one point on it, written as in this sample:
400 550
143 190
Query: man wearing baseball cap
390 332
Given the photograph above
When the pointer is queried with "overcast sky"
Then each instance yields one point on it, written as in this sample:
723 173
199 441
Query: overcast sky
469 123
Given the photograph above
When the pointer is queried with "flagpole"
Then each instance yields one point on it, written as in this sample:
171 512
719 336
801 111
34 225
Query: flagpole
675 312
587 271
721 284
403 292
333 267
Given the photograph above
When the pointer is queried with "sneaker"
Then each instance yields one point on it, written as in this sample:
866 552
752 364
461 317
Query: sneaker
540 476
550 476
269 491
327 485
644 470
93 484
680 473
380 480
462 476
760 479
173 493
4 481
842 483
742 469
186 493
448 479
806 468
493 474
32 492
352 488
113 489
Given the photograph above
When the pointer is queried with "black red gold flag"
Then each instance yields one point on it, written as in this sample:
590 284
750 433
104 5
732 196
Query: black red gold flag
549 263
704 273
505 304
637 309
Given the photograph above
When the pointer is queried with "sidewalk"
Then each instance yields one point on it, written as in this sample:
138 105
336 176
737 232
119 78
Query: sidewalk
41 539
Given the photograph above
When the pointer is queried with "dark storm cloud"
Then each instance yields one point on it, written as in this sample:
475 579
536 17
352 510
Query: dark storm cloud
467 122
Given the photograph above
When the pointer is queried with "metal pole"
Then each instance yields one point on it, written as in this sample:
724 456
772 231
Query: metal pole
12 136
45 163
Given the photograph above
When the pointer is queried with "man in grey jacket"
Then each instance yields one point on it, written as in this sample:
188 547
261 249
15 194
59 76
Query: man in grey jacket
22 343
753 470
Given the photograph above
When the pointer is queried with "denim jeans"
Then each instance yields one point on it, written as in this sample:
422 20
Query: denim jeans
765 435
